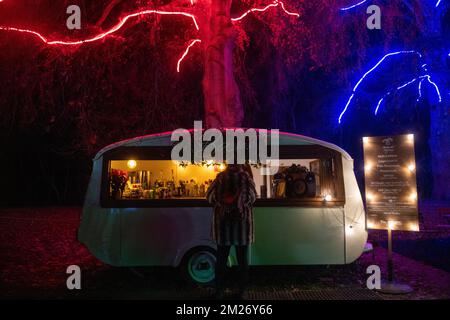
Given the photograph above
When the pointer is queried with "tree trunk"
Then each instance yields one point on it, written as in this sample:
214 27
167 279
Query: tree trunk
439 139
223 106
440 149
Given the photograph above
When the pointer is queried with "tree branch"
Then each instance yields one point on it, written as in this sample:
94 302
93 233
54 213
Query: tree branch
176 5
107 11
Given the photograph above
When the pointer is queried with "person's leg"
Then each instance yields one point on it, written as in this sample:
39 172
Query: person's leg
221 265
243 268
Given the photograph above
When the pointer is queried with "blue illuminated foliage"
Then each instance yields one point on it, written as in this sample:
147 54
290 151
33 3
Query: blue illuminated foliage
423 78
380 62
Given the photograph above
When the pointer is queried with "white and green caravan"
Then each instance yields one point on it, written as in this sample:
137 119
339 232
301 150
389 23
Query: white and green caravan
144 209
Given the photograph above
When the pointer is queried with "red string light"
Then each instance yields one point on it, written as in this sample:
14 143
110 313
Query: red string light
123 20
193 42
103 34
272 5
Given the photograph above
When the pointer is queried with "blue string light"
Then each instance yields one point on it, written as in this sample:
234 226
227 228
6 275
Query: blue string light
356 5
368 73
364 1
387 94
426 77
435 86
422 78
381 101
420 90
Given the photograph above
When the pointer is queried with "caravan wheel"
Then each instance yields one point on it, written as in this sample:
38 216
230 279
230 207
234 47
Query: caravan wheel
198 266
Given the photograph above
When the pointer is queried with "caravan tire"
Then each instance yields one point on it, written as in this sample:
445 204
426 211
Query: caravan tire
198 266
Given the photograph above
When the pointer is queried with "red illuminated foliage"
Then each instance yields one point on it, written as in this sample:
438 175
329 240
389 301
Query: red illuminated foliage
126 82
223 106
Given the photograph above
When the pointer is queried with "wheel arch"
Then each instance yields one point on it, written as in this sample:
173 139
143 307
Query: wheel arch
185 249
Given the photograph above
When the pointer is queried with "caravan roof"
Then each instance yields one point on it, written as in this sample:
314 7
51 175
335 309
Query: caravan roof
163 139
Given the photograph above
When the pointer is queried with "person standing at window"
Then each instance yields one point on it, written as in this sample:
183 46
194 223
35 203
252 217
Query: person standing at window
232 193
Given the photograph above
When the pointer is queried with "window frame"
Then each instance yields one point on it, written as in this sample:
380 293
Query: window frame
164 153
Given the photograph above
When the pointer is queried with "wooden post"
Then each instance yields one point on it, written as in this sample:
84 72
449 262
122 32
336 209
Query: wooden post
390 286
390 262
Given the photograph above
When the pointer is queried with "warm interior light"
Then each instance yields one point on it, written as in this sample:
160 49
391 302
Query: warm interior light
365 139
411 167
369 196
368 167
414 227
328 197
221 167
370 225
131 164
413 196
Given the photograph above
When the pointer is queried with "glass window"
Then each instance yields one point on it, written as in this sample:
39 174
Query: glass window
297 179
160 179
300 178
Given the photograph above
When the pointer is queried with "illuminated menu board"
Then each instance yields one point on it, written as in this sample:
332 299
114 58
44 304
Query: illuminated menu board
390 181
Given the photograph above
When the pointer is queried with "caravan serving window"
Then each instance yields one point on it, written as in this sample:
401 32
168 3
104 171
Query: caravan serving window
160 179
297 179
308 175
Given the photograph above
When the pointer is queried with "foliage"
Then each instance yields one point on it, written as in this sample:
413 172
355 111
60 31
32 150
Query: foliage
292 72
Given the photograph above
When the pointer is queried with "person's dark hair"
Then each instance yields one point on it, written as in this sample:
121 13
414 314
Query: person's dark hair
236 167
247 168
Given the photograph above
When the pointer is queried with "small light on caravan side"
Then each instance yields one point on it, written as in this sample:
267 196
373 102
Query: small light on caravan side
365 140
411 167
328 197
349 230
131 164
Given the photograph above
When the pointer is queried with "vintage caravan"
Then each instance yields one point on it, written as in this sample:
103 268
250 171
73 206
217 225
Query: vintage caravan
144 209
